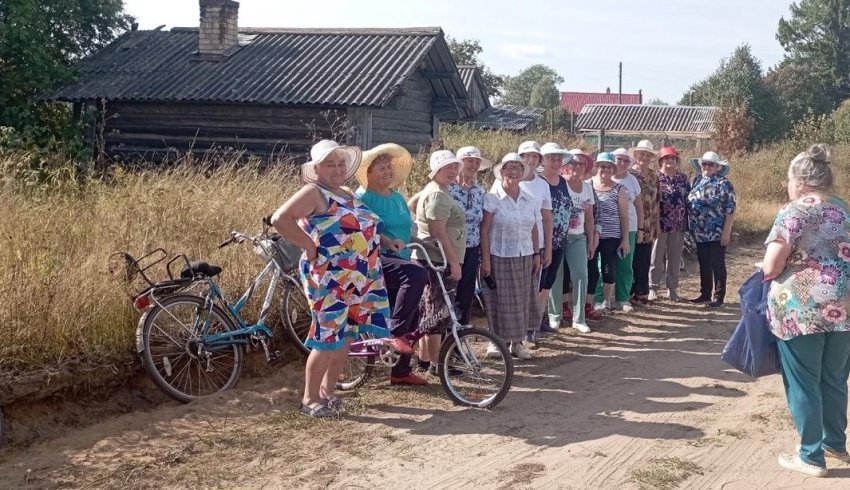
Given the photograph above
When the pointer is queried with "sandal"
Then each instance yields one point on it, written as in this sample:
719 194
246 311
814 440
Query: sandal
334 403
318 410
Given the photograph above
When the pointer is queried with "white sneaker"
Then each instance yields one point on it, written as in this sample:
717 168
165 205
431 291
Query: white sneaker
554 326
653 295
626 307
520 351
493 351
794 463
599 306
581 327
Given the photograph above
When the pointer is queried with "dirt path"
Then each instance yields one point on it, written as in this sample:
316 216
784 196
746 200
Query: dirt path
644 402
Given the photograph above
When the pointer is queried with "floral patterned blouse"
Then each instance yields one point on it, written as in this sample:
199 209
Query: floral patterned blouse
710 200
650 196
472 202
674 201
812 295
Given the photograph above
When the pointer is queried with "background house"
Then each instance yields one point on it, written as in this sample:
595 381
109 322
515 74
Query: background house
267 91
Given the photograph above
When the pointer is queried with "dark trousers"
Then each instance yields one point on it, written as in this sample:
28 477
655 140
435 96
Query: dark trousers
712 269
640 268
606 254
405 282
549 274
466 285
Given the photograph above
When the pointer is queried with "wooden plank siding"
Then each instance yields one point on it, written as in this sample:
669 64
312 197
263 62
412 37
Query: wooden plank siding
408 119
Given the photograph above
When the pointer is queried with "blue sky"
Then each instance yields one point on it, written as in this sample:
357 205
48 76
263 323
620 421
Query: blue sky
664 45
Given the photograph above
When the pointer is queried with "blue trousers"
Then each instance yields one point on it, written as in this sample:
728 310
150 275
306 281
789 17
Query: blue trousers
815 368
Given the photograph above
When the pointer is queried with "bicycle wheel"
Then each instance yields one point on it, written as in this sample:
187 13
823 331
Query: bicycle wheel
357 370
170 352
296 314
487 379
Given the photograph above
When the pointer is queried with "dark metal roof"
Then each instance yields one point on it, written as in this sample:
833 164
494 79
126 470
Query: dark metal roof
647 118
511 118
341 67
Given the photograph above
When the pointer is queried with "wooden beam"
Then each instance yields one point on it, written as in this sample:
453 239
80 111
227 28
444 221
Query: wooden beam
437 74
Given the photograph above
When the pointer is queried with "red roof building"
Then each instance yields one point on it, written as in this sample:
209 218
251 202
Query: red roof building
573 102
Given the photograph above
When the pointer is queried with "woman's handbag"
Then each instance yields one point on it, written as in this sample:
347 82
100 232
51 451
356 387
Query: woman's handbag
752 347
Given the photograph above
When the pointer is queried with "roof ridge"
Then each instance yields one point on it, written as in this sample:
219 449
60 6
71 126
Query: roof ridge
409 31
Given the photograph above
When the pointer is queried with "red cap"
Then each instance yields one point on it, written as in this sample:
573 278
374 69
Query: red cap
668 151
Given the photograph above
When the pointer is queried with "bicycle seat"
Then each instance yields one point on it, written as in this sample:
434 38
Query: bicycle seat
200 268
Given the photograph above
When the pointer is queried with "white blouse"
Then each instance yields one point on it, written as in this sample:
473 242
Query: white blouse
512 223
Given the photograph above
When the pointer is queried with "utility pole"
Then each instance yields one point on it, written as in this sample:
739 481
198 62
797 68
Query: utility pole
620 97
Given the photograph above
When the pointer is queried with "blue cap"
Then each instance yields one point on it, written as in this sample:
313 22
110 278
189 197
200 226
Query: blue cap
606 157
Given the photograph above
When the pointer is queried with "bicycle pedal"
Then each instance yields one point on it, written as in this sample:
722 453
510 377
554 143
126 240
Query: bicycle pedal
275 358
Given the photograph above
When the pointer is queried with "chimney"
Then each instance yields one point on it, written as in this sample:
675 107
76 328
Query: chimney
219 32
607 90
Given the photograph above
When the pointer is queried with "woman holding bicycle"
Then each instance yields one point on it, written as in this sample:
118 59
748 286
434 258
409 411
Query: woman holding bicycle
340 268
382 170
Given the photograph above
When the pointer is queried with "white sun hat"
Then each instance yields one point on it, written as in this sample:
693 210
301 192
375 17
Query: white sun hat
440 159
512 157
713 157
643 145
555 149
321 150
622 152
529 147
473 152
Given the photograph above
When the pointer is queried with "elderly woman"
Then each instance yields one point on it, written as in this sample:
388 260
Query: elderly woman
667 250
382 170
711 213
614 230
439 217
808 258
510 257
340 268
469 195
644 156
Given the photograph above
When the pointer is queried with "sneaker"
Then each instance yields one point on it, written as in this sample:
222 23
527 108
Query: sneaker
591 315
717 303
520 351
673 296
401 345
599 306
530 339
626 307
493 352
568 312
653 295
408 379
451 371
581 327
845 457
318 410
701 299
548 328
793 462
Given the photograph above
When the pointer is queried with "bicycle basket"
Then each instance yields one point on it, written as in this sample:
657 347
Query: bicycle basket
285 254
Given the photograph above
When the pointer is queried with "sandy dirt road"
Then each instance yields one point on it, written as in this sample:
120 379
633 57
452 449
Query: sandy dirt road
643 402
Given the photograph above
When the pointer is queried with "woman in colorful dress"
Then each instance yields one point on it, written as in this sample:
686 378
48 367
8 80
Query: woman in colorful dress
808 258
340 268
510 255
711 205
613 202
667 251
469 195
439 217
643 156
383 170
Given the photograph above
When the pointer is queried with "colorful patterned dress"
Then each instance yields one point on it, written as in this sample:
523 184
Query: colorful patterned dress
651 197
345 283
812 294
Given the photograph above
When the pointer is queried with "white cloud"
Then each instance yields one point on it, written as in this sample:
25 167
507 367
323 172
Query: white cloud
523 50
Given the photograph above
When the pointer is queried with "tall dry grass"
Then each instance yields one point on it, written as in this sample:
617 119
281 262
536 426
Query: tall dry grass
59 302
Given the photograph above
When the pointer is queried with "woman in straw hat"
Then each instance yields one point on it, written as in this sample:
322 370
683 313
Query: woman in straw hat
383 170
438 217
712 205
510 255
469 195
643 156
340 268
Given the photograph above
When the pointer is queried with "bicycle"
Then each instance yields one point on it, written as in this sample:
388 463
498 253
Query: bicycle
191 344
462 363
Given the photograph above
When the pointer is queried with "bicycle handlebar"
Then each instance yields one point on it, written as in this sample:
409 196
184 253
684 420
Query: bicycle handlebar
421 248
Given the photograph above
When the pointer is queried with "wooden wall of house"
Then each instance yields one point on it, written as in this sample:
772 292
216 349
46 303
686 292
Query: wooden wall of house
152 130
478 99
408 119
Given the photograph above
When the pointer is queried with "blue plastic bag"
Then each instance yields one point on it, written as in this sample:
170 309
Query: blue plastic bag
752 347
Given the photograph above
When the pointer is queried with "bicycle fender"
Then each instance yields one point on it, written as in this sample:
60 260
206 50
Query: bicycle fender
140 347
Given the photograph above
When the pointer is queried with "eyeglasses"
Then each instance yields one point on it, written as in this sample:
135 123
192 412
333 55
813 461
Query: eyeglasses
512 168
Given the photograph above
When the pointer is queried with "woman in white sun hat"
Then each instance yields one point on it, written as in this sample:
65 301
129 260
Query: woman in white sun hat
510 257
643 168
439 217
469 195
347 297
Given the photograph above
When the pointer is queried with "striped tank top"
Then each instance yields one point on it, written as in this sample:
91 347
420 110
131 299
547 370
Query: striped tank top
609 212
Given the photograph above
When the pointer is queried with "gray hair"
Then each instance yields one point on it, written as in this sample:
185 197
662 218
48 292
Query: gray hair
811 168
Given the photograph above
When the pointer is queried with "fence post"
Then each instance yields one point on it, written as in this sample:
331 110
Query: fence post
601 146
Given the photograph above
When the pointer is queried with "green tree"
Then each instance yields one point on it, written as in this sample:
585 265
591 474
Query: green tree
544 94
818 34
466 52
738 82
799 91
517 89
657 101
39 42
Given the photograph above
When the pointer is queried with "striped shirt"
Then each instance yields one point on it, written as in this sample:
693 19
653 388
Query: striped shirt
609 212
